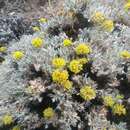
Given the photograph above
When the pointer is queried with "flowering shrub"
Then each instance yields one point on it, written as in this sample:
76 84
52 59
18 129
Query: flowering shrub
60 76
72 73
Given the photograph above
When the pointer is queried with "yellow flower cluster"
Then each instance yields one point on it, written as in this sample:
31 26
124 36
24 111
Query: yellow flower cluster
16 128
119 96
36 29
101 20
17 55
125 54
119 109
108 101
58 62
108 25
98 17
75 66
60 76
42 20
127 6
37 42
7 119
82 49
67 42
83 60
87 93
3 49
48 113
68 85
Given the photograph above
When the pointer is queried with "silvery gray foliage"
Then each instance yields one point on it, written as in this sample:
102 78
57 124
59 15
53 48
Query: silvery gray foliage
75 5
13 27
97 120
107 46
105 62
111 9
10 81
120 126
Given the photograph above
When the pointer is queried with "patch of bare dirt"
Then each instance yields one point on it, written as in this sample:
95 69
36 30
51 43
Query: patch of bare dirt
31 8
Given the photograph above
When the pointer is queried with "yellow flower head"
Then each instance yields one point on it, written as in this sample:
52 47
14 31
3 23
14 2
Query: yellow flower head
36 29
7 119
82 49
3 49
108 25
58 62
98 17
67 42
48 113
42 20
37 42
108 101
127 6
125 54
60 76
17 55
67 85
83 60
75 66
119 96
119 109
16 127
87 93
